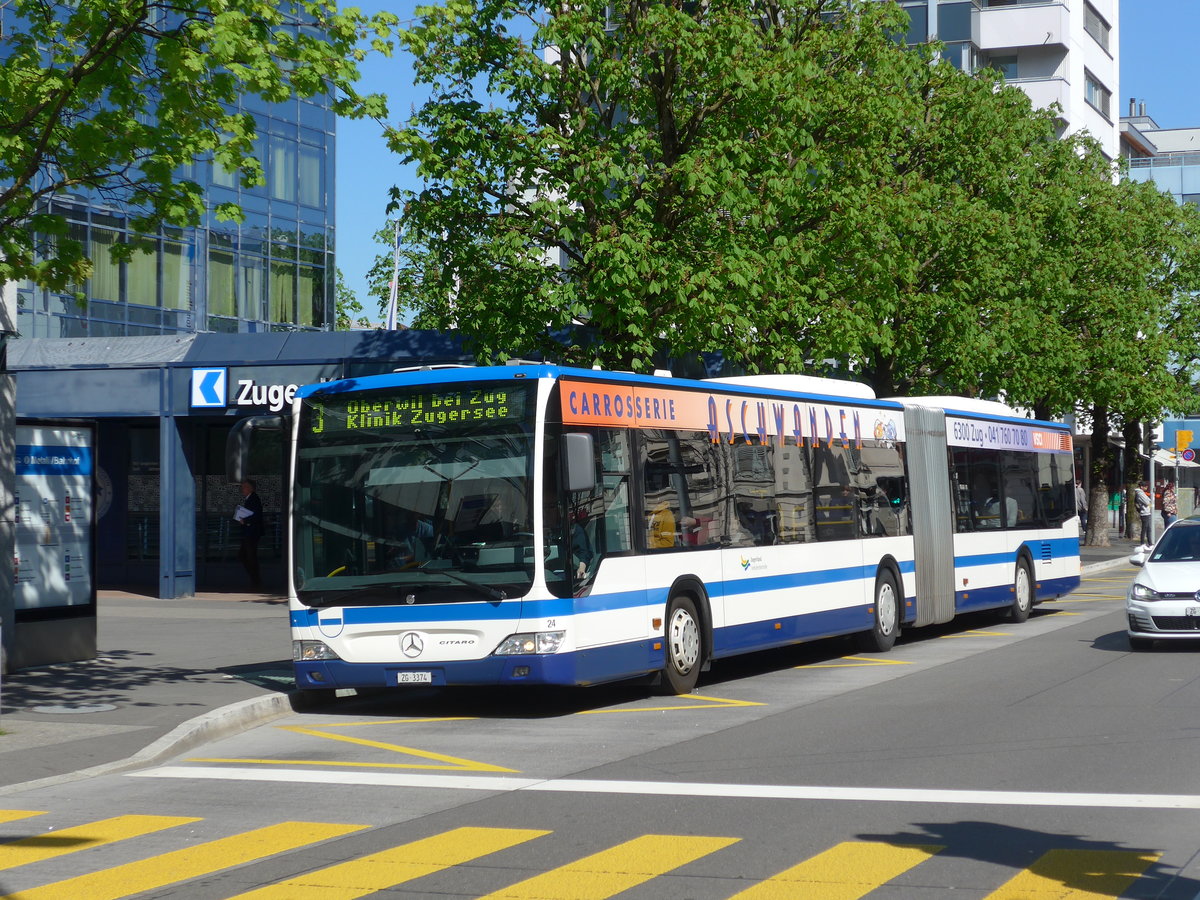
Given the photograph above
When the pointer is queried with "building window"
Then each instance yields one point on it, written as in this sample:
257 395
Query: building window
954 21
1005 65
1095 26
1096 94
918 24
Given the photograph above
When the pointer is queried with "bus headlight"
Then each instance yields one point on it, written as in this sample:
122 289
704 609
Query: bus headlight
311 651
533 642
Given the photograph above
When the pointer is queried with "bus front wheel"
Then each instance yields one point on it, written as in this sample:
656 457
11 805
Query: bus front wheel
1022 592
685 644
883 634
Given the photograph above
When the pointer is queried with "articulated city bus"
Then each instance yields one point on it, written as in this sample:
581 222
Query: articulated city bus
535 524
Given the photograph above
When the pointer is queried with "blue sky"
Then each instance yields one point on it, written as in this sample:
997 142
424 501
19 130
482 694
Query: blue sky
1159 64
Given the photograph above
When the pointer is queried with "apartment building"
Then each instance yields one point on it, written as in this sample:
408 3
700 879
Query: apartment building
1057 51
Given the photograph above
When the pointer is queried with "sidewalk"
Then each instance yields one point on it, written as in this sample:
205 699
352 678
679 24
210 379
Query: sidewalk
173 674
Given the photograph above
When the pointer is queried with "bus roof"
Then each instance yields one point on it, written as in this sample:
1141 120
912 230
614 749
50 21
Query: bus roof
816 388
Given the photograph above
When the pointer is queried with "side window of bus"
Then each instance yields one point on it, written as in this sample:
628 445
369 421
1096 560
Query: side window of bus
679 485
1056 486
755 519
1021 486
600 519
883 507
793 494
980 505
835 498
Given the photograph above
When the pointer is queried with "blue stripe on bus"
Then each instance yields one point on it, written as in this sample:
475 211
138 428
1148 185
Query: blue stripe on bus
565 606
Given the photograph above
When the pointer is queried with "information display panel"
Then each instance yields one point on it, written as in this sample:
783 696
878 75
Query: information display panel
52 564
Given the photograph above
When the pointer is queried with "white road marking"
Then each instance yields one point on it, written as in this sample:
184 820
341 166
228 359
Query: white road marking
500 784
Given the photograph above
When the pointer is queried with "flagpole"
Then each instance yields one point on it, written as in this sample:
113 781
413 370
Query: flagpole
393 299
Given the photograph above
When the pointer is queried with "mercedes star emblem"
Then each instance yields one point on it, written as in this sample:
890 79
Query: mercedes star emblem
411 644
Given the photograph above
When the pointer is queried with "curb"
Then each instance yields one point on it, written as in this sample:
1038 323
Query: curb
1107 564
209 726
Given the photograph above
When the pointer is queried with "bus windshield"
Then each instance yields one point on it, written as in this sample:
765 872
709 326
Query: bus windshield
414 495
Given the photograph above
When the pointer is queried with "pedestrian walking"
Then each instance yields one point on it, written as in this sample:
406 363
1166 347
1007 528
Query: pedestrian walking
249 515
1145 508
1170 506
1081 506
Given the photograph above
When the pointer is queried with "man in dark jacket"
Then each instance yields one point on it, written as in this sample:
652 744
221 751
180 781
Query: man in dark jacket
250 517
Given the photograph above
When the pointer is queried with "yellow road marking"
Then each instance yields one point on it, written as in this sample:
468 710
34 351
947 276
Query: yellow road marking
845 872
345 764
711 703
617 869
423 721
856 662
68 840
192 862
443 762
1076 875
15 815
388 868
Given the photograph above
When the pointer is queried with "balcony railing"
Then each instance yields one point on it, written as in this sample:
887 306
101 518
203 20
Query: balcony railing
1165 159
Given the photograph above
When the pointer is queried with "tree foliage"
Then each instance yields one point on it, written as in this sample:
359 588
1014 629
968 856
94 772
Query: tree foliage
783 182
111 99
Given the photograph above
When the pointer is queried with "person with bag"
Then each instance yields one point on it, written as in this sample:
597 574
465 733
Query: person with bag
249 515
1145 508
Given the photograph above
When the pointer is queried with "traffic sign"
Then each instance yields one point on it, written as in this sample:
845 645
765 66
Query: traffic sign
1188 455
1183 439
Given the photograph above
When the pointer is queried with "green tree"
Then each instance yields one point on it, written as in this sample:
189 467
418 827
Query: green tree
676 179
114 99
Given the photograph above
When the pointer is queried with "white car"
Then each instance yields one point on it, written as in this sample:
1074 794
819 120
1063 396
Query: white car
1163 603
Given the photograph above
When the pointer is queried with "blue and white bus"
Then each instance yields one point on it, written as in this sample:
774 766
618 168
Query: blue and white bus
535 524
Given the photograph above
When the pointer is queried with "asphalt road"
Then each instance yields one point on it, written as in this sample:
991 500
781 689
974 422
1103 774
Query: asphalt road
978 760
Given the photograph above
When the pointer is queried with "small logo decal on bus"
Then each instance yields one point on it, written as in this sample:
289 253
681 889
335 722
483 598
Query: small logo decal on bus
411 644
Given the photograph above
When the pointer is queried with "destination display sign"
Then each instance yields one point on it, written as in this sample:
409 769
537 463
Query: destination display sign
467 405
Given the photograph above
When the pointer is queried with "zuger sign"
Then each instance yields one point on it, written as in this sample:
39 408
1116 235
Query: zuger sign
209 390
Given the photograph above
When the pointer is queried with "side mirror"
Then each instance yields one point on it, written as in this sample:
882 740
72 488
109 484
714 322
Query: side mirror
579 462
238 443
1138 558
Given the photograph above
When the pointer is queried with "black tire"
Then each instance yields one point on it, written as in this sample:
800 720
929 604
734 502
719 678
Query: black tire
1137 643
886 629
684 639
1022 592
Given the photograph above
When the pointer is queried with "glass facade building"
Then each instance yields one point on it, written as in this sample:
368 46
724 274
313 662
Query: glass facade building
272 272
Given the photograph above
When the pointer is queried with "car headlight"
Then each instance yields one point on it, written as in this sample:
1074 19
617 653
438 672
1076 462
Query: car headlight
1142 592
533 642
311 651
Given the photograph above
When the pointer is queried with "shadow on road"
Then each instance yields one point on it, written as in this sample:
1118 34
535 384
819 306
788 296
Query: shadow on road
1025 848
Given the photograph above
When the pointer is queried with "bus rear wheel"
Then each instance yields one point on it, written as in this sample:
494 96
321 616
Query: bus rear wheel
685 645
1022 592
886 629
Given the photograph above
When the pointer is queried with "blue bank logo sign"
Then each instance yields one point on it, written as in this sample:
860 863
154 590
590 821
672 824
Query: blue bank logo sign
208 387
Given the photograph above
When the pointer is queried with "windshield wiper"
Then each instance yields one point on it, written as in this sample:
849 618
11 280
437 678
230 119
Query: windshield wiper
490 592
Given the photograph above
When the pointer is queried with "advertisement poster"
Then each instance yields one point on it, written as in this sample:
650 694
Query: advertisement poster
51 563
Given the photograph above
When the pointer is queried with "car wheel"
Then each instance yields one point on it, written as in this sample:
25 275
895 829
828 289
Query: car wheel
886 629
685 646
1022 592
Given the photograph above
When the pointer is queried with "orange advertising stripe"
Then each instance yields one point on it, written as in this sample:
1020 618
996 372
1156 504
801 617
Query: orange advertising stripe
726 417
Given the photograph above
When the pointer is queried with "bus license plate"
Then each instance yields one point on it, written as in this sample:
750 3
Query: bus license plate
414 678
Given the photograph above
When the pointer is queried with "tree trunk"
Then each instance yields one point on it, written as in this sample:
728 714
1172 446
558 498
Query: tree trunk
1097 527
